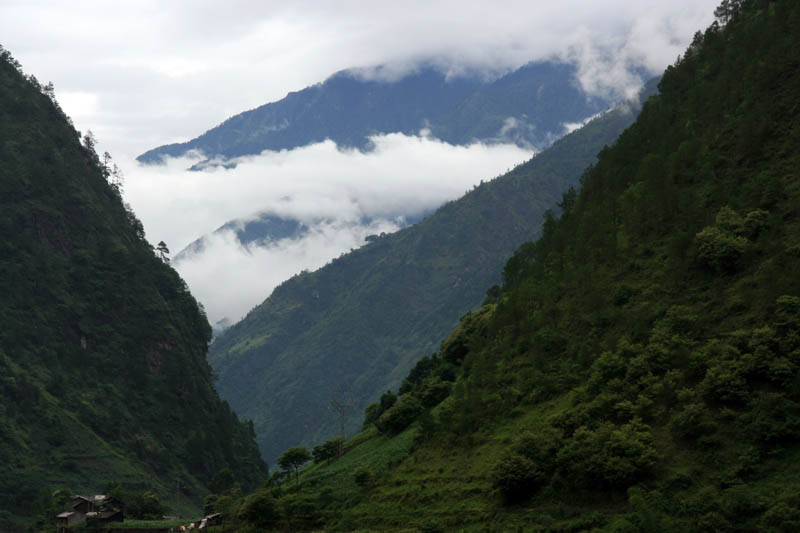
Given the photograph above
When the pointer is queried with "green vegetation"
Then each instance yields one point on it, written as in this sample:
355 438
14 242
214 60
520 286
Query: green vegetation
640 369
293 459
102 349
367 317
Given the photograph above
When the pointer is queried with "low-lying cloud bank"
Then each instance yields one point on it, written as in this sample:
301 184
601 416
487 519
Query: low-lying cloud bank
328 189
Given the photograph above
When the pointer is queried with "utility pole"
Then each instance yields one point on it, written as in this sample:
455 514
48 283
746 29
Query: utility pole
342 401
177 496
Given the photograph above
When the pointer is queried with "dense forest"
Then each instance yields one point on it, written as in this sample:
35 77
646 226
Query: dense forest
367 317
639 369
103 365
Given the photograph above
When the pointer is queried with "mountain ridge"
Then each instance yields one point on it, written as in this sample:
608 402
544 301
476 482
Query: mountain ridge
348 109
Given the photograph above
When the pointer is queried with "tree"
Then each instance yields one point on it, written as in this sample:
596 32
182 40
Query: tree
293 459
328 450
90 144
222 481
260 509
400 415
111 172
163 251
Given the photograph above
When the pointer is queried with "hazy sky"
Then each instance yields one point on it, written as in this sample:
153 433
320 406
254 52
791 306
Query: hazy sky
147 72
144 73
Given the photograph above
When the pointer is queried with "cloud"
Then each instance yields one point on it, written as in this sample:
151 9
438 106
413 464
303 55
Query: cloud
230 279
147 73
165 72
403 176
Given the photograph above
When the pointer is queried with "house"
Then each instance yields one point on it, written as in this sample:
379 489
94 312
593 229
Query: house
68 518
98 508
112 515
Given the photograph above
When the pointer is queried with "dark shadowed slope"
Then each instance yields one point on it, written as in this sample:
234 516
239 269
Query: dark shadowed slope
102 347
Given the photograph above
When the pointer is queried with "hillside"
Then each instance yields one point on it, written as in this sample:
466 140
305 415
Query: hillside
102 348
640 370
348 108
364 319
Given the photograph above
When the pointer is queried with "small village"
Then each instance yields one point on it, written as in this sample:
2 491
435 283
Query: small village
101 512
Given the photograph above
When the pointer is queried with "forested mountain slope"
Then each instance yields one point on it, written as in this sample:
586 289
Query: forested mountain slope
102 347
538 98
641 369
364 319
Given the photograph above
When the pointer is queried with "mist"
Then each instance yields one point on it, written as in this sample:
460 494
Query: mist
329 189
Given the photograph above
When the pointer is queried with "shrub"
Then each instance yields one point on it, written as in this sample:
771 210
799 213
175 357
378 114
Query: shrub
375 410
754 223
517 477
693 422
362 475
622 295
400 415
541 447
259 509
433 391
611 456
781 517
719 250
327 450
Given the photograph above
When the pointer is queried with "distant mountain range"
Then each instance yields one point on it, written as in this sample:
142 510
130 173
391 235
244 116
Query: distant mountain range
529 106
363 320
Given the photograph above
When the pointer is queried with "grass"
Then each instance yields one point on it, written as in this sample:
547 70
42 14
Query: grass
151 524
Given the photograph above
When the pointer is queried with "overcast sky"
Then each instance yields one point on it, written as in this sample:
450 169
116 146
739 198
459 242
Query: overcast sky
148 72
144 73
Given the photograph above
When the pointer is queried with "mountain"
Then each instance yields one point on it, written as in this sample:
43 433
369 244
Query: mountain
102 348
640 369
267 228
263 230
349 107
364 319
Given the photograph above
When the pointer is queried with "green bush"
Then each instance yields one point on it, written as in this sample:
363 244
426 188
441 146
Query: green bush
622 294
374 411
610 456
781 517
433 391
541 447
327 450
754 223
363 475
517 478
693 421
718 250
259 509
400 416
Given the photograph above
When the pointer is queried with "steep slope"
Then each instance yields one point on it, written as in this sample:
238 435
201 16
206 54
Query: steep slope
365 318
348 109
529 106
641 369
102 347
